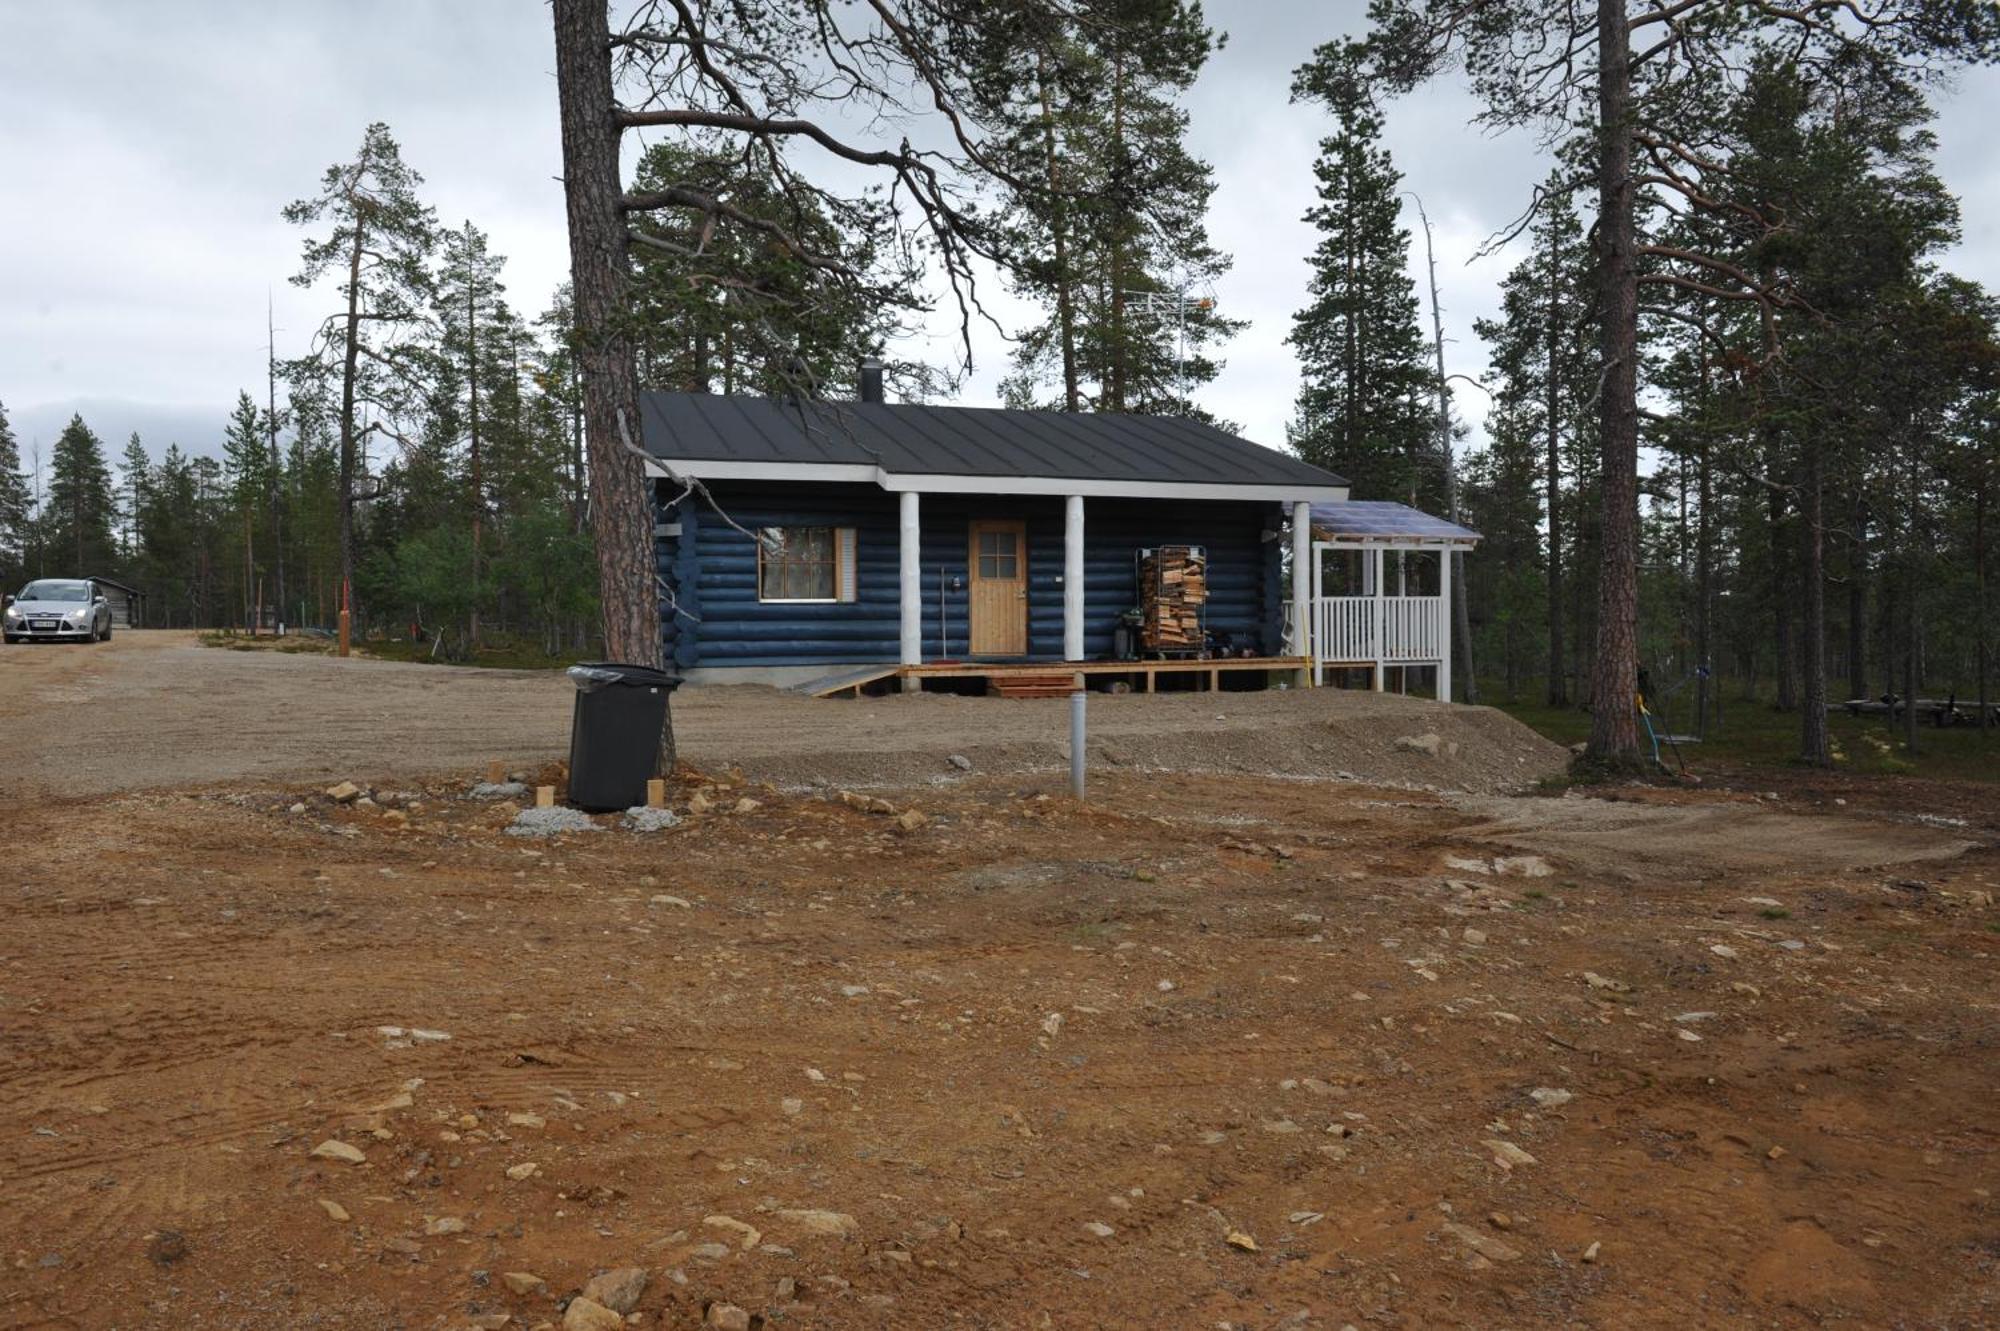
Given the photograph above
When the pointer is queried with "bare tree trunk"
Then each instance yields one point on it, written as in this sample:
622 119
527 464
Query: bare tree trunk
1614 720
347 442
1059 234
1558 612
1462 626
1982 608
275 478
1813 745
1857 608
478 480
621 510
1784 665
1704 583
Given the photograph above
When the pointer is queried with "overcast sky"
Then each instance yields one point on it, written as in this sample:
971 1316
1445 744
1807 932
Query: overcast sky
147 149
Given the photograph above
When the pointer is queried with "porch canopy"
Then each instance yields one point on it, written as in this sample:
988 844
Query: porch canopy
1376 629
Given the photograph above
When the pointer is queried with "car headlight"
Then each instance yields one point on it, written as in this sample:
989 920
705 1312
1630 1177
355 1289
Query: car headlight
79 615
12 613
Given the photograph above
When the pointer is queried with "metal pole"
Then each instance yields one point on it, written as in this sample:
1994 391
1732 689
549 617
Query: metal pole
1076 734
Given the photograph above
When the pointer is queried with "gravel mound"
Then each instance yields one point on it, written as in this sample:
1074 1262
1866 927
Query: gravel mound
643 819
551 822
498 790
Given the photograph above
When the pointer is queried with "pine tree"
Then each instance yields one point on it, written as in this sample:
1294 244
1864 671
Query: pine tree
478 336
1544 369
1105 219
1363 397
246 461
82 506
379 245
14 507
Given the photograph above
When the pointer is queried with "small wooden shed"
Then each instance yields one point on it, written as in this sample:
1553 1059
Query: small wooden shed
127 603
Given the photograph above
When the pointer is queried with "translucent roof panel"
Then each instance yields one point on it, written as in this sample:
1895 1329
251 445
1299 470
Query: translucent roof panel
1384 520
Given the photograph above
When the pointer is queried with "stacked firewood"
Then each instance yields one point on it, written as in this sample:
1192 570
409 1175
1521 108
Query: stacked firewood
1173 587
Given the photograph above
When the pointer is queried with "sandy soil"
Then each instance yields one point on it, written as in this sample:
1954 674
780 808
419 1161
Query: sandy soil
156 709
1209 1051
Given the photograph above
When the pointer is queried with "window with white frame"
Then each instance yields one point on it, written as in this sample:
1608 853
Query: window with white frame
805 564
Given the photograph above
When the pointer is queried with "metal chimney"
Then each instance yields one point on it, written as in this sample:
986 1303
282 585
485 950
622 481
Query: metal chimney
871 380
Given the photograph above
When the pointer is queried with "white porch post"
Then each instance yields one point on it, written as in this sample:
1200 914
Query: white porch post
1444 624
1381 635
1073 578
912 599
1302 539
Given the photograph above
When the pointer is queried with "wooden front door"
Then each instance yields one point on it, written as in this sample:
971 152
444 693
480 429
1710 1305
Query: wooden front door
998 559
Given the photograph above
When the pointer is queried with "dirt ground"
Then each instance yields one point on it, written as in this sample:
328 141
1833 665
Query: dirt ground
1211 1050
163 710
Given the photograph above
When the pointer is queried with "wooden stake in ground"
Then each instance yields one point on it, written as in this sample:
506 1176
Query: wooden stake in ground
656 793
496 772
545 797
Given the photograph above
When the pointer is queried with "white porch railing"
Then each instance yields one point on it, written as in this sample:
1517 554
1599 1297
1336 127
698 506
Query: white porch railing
1361 630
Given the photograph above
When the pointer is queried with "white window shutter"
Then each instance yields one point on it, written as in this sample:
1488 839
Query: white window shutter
849 577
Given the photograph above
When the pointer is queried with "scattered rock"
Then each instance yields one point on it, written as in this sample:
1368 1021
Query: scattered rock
1238 1239
645 819
1098 1229
491 1321
751 1237
1052 1024
668 899
497 790
726 1317
1492 1249
1548 1097
747 805
297 808
526 1121
344 793
551 821
1506 1154
1596 981
617 1290
826 1224
1590 1253
523 1282
589 1315
334 1210
960 761
332 1149
525 1170
1429 743
909 820
440 1226
1476 937
166 1247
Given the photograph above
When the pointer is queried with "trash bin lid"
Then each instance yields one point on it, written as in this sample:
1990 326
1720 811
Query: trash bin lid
587 675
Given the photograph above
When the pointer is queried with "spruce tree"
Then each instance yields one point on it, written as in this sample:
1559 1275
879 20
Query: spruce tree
81 506
1363 404
14 507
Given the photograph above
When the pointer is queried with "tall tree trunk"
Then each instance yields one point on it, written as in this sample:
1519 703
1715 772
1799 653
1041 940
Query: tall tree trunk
621 509
1857 607
478 479
1552 391
1813 745
347 441
1704 585
274 481
1982 609
1059 236
1614 720
1115 385
1462 625
1782 592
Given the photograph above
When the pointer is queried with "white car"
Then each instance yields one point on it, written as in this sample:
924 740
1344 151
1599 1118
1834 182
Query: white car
58 610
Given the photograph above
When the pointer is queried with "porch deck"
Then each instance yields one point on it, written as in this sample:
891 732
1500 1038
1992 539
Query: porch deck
1143 675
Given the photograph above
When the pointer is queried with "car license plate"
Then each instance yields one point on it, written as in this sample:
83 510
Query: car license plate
42 625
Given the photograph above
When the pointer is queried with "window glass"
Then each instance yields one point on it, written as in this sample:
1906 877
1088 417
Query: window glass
50 590
797 564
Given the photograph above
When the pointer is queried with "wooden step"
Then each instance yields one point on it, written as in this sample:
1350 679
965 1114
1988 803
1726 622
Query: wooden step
1046 684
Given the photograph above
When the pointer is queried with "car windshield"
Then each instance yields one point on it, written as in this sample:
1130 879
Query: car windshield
56 591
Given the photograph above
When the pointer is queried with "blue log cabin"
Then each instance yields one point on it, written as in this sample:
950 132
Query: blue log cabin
858 541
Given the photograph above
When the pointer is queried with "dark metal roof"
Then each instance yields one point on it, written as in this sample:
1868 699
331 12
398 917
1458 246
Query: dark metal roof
1382 520
963 441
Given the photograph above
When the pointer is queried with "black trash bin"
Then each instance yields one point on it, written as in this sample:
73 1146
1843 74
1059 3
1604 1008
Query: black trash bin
614 733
